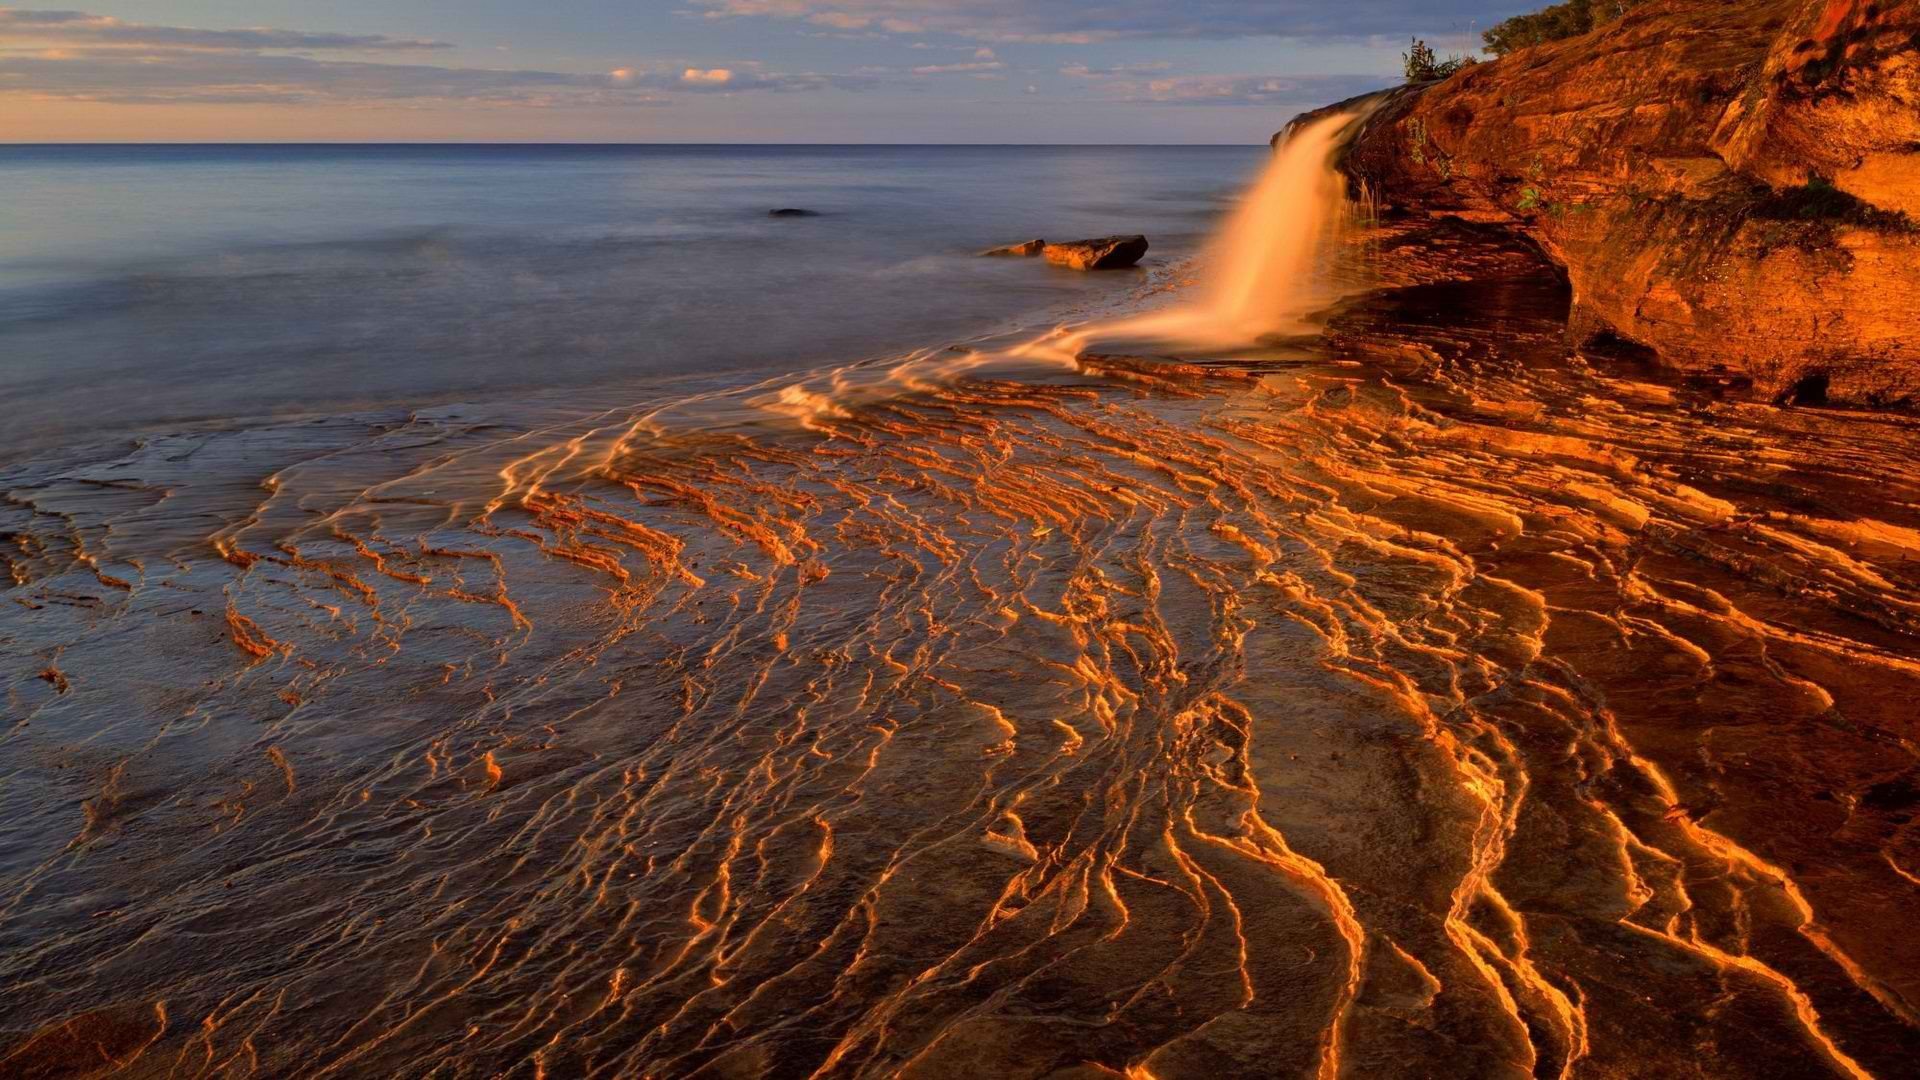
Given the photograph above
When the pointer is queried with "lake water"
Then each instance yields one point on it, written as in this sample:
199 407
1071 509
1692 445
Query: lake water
149 286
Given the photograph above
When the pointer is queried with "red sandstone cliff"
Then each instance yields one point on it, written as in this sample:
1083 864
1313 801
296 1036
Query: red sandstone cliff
1734 185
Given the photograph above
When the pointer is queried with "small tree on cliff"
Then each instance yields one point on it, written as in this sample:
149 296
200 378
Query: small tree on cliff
1421 64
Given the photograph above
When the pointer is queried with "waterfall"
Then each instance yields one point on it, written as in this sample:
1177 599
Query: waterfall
1269 263
1268 268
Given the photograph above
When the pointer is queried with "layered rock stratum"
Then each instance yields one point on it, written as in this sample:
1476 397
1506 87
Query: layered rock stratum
1731 186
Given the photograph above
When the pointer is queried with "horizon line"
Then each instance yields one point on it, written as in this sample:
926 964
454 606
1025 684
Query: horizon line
4 145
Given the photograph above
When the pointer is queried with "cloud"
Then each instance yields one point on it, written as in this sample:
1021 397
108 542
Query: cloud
1088 21
75 56
1149 83
748 79
839 21
1268 90
959 69
194 76
1082 71
158 77
79 27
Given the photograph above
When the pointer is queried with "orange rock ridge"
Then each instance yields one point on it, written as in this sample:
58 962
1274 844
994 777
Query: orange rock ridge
1732 186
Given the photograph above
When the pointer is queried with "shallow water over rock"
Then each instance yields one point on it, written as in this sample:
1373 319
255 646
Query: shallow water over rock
1411 700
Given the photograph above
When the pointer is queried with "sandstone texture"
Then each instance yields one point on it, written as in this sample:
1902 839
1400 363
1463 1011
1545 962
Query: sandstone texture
1734 187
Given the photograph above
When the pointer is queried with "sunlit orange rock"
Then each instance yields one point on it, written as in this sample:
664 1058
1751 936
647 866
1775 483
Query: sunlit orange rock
1105 253
1730 185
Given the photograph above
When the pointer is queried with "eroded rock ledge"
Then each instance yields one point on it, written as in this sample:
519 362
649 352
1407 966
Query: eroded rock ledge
1734 186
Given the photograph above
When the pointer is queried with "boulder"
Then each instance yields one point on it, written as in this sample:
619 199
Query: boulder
1024 251
1731 186
1105 253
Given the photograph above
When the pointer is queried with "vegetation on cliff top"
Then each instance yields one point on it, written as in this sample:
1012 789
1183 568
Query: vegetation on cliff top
1571 19
1422 64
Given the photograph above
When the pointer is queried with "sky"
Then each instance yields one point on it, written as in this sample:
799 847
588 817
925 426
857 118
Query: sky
783 71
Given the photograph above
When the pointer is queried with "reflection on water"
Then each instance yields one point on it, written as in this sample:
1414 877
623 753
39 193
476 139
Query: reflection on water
1424 702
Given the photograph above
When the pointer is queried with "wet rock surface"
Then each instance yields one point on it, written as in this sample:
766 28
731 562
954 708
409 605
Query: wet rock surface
1105 253
1730 185
1421 700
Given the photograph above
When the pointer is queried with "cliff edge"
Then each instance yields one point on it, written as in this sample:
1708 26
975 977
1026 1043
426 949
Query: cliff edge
1732 186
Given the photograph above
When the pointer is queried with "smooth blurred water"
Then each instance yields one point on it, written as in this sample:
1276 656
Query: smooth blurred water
149 286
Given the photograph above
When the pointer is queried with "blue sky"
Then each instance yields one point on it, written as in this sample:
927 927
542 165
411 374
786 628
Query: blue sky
1048 71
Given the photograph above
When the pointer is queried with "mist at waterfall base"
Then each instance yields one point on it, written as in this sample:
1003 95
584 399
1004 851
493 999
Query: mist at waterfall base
1200 680
143 288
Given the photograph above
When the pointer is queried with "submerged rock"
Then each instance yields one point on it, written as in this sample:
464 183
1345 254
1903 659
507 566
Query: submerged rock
1732 186
1026 251
792 211
1105 253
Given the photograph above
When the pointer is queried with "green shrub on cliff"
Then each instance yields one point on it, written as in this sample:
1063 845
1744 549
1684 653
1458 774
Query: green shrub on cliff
1421 64
1571 19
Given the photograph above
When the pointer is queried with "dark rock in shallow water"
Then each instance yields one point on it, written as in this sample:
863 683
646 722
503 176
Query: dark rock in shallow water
1027 250
1105 253
792 211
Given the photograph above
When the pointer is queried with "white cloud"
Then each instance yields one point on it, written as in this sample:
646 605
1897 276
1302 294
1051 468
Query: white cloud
959 69
1088 21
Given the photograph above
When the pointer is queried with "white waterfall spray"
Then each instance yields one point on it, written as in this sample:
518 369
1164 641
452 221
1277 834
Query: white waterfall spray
1268 268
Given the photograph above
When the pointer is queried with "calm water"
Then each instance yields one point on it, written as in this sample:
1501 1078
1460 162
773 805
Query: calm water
154 286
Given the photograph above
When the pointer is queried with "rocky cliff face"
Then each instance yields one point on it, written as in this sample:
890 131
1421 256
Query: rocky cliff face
1735 186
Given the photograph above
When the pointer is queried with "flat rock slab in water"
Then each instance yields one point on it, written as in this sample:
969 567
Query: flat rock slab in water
1106 253
792 211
